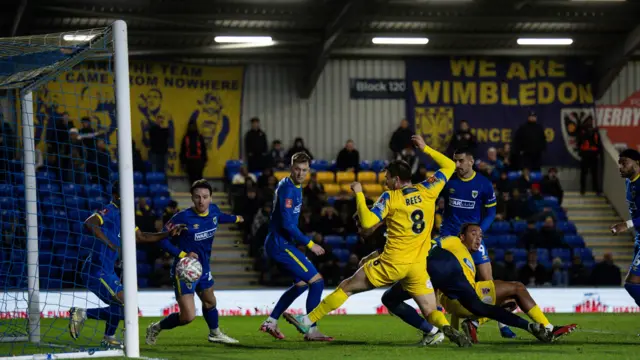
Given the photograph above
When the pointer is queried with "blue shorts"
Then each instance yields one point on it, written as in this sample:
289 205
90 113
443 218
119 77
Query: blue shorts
105 285
291 259
183 288
447 275
634 269
479 257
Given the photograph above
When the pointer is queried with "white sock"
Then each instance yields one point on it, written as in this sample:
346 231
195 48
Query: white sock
306 321
434 331
214 331
313 330
501 325
272 320
549 327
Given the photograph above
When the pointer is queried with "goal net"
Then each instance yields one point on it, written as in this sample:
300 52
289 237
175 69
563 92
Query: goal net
65 135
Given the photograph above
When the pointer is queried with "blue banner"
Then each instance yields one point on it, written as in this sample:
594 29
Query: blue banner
495 95
377 88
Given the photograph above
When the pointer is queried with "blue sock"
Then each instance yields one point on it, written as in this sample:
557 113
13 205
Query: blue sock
315 295
287 299
211 317
410 316
99 313
170 322
116 313
634 291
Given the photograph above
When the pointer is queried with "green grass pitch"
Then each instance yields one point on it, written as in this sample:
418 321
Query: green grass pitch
600 336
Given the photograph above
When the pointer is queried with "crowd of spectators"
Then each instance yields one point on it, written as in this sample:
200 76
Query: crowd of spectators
522 192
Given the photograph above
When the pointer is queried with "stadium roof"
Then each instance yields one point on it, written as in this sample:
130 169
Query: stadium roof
312 31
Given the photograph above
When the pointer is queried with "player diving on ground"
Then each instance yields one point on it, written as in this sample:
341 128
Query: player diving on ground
408 211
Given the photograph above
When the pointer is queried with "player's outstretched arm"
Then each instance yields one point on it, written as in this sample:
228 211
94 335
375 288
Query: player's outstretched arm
447 166
622 227
94 225
489 216
289 224
227 218
369 218
145 237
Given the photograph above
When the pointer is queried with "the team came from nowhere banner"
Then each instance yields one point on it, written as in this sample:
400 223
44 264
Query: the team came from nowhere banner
171 95
495 95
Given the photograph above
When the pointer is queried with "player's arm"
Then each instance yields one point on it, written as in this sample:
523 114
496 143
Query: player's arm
370 218
94 225
145 237
447 166
490 202
227 218
624 226
165 243
484 272
286 208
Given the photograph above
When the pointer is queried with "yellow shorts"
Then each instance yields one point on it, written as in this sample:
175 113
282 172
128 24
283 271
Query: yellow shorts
413 277
486 291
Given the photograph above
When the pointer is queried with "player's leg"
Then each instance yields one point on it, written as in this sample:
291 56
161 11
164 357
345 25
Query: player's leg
184 296
394 299
485 272
270 325
210 312
632 281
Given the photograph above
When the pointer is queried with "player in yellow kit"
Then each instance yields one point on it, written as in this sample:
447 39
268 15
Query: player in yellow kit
408 211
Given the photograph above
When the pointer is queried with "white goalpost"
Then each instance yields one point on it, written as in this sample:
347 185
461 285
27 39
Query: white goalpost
43 255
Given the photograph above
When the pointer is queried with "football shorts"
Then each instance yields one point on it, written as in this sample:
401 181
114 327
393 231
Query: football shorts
485 290
413 277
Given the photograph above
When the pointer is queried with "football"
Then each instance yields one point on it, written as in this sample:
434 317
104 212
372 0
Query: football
189 269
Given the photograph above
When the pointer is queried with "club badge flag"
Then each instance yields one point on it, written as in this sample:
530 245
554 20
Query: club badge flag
169 95
495 95
621 122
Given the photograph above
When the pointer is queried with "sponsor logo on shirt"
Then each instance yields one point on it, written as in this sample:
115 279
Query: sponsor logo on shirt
288 203
462 204
380 204
297 209
469 264
204 235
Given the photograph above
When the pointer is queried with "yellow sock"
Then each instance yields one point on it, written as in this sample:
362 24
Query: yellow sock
538 316
455 321
482 321
437 319
328 304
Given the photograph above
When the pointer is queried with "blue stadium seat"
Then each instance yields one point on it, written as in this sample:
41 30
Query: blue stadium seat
75 202
320 165
6 190
143 282
231 174
500 227
156 178
51 202
7 215
365 165
519 255
15 166
17 178
7 203
574 241
18 190
45 177
161 202
159 190
508 241
564 254
543 255
335 241
71 189
61 241
550 201
561 216
45 244
513 175
589 264
113 165
138 177
351 240
94 190
567 227
232 167
491 241
378 165
77 227
342 254
333 166
535 176
331 200
114 176
498 254
144 270
78 214
585 254
49 190
140 190
97 203
141 256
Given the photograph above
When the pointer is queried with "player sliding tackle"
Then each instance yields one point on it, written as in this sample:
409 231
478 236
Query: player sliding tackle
98 272
408 211
450 265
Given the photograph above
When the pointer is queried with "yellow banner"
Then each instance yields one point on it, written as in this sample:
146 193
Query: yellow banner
171 95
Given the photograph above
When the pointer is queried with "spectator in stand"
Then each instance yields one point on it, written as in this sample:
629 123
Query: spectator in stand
60 142
529 143
332 272
4 157
344 201
193 153
523 183
78 157
241 177
589 149
530 238
550 237
536 208
510 269
606 273
267 193
330 222
159 144
138 162
251 204
503 184
100 165
401 138
492 166
504 155
349 225
313 192
532 273
559 276
463 138
277 155
516 206
497 268
551 185
161 277
351 267
348 158
308 222
145 219
420 175
256 146
321 262
409 155
263 179
502 205
578 273
439 215
9 139
259 228
298 146
169 211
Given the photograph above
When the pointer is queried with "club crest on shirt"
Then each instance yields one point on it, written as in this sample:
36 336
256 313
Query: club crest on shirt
452 190
196 226
215 220
288 203
474 193
189 286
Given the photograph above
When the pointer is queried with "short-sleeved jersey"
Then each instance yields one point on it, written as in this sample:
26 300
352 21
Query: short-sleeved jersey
633 200
102 257
200 231
409 215
454 245
465 201
287 204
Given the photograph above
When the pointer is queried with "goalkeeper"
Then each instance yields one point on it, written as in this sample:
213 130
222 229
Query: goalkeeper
98 272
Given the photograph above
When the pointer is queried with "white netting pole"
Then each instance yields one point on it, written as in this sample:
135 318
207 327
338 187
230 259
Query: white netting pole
125 168
31 209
